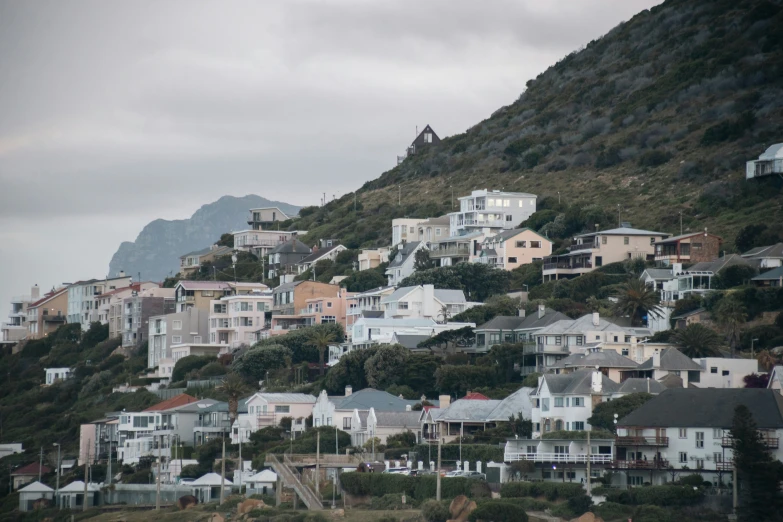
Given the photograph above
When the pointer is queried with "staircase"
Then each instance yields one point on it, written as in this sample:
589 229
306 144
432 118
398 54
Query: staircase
293 479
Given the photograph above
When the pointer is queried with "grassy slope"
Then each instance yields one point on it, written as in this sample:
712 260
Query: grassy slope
653 86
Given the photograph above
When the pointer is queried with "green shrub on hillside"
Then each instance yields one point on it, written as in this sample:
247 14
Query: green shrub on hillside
550 490
187 364
498 511
657 495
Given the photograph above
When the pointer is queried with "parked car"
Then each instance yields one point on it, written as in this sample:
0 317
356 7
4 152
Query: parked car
398 471
474 475
422 472
456 473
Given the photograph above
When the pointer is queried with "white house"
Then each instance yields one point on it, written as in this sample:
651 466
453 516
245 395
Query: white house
268 409
338 410
190 326
491 209
207 488
83 297
770 162
765 257
367 332
670 361
29 494
54 375
722 372
404 230
382 424
72 495
424 301
235 319
516 328
365 304
696 279
687 430
562 459
262 483
403 263
319 254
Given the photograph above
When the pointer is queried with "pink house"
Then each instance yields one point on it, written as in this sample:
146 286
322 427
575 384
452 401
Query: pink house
317 310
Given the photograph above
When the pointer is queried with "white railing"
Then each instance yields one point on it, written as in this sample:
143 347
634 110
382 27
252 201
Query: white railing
556 457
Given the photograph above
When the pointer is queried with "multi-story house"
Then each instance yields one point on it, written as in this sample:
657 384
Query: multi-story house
608 362
109 306
214 422
284 258
199 294
696 247
771 278
433 229
99 439
450 250
268 409
167 330
338 410
261 242
404 230
669 365
562 459
319 254
191 262
425 138
766 257
83 297
326 310
54 375
47 314
424 301
565 402
596 249
687 430
367 332
186 349
137 310
513 248
516 329
562 338
365 304
494 210
289 299
16 328
403 264
723 372
235 319
372 258
382 425
697 279
266 217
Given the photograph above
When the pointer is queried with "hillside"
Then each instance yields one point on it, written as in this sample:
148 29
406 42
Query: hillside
157 249
658 116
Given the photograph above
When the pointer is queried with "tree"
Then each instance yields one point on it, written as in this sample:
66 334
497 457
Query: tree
731 315
444 314
254 364
383 368
365 280
299 341
756 380
188 364
226 240
603 413
321 339
758 473
422 261
767 360
735 275
349 371
461 337
696 340
477 280
233 387
457 380
637 298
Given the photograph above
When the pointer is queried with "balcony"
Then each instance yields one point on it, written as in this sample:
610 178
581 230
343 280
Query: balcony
566 265
221 424
558 457
584 246
545 348
642 441
769 441
53 318
641 464
451 251
724 465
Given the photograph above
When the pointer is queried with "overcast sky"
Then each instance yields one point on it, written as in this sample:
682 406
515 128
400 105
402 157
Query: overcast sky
113 114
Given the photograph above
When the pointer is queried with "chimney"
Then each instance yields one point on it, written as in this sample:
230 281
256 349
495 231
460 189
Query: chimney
122 273
541 311
408 407
445 401
35 293
597 383
596 319
657 360
348 390
521 312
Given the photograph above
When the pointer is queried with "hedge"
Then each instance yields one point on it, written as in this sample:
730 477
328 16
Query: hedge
498 512
470 452
655 495
419 488
550 490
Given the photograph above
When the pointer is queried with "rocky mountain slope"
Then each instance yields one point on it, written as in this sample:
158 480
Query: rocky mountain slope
157 249
654 119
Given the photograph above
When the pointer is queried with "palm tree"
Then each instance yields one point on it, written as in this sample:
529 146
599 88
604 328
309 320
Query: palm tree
731 315
697 340
444 313
233 387
321 338
636 298
767 360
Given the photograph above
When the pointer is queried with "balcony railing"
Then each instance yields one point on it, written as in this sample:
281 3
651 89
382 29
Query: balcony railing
642 441
450 251
641 464
584 246
724 465
561 265
558 457
769 441
209 423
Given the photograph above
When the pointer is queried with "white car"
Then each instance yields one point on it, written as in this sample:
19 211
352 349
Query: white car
456 473
398 471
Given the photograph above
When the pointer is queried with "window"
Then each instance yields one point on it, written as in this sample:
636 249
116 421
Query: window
579 340
561 450
683 457
635 480
544 404
521 244
207 293
558 402
535 244
509 217
260 307
437 231
558 339
627 338
626 240
494 338
599 261
696 246
506 203
683 433
197 339
480 339
328 319
717 433
713 369
328 304
578 401
615 338
176 339
699 463
491 202
176 325
725 373
512 259
412 230
625 352
545 474
282 409
603 240
578 426
717 457
347 423
427 137
699 439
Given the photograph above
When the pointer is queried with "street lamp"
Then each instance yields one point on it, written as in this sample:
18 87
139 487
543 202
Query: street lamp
752 352
234 265
57 486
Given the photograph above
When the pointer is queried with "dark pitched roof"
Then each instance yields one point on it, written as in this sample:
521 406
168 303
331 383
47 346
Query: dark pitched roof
318 254
371 398
502 322
774 251
579 382
513 322
592 359
31 469
410 341
671 380
707 408
770 275
404 253
716 265
688 314
291 247
672 360
635 385
683 236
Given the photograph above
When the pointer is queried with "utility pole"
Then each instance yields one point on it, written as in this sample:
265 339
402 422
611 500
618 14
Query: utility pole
240 461
57 486
619 219
223 471
437 477
680 222
157 486
86 476
354 201
336 440
108 468
317 460
40 463
589 487
399 195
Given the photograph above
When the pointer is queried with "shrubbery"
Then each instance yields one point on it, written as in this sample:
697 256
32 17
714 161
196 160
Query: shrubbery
418 488
550 490
497 511
435 511
656 495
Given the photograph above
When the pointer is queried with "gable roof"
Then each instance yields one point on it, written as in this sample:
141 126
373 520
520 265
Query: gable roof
293 398
398 419
465 410
291 247
510 234
672 360
659 273
31 469
36 487
707 408
204 285
403 253
773 152
285 215
596 358
578 382
48 297
410 341
220 250
426 129
688 314
436 221
371 398
518 403
210 479
475 396
716 265
773 251
582 324
318 254
531 321
770 275
77 486
266 475
636 385
177 400
775 375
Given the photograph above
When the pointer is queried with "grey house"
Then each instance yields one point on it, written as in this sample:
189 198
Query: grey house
285 256
136 312
188 327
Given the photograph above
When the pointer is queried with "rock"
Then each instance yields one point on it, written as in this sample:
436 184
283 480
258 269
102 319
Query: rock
460 508
188 501
250 504
588 517
216 517
338 513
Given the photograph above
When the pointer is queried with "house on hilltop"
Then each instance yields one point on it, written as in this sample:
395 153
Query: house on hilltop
425 138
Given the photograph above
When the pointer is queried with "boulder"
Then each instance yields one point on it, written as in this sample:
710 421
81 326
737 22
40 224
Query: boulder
217 517
460 508
338 513
588 517
187 501
249 505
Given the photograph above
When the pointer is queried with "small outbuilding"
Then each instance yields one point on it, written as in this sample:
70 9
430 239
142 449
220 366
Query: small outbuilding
32 493
262 483
207 488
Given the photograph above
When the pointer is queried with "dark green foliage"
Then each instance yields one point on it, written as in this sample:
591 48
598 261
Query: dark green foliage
550 490
696 340
349 371
494 306
579 505
435 511
299 342
729 130
226 240
498 511
471 452
477 280
657 495
735 275
365 280
401 440
603 414
694 479
96 333
455 338
457 380
188 364
254 364
419 488
758 235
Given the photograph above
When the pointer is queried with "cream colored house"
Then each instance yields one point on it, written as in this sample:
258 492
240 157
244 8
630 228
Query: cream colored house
234 319
372 258
404 230
513 248
596 249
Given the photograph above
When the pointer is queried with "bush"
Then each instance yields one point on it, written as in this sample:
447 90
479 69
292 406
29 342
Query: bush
649 513
580 505
653 158
188 364
434 511
550 490
692 480
498 512
613 511
418 488
387 502
656 495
